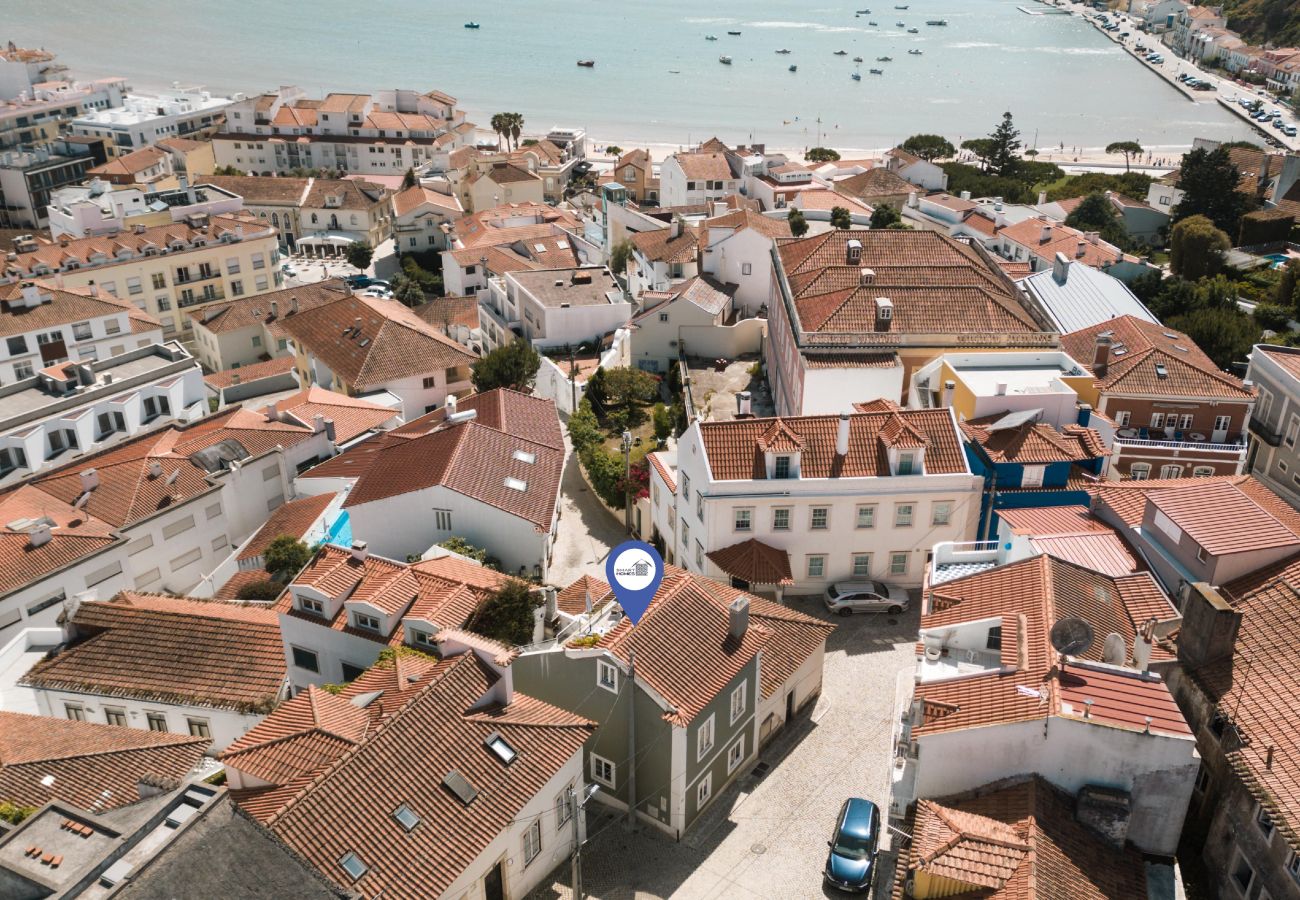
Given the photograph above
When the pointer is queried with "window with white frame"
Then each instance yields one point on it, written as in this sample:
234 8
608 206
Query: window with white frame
819 518
703 791
1032 476
1140 471
699 506
861 565
603 771
1123 417
1202 471
361 620
1157 420
817 566
738 697
607 675
1222 423
311 605
1185 421
781 518
704 738
306 659
1171 471
1264 822
898 563
903 514
744 519
866 517
442 519
532 841
735 754
699 555
941 513
686 486
563 809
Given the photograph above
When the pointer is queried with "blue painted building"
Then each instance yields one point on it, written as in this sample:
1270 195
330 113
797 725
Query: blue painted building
1026 463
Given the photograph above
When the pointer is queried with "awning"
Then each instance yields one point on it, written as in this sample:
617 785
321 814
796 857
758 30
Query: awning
754 562
337 238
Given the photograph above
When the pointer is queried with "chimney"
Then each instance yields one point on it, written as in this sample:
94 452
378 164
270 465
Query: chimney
1101 355
1001 388
450 408
842 436
328 425
293 305
911 199
965 195
675 229
317 423
719 208
1081 249
94 289
949 388
1083 415
272 412
1061 268
41 534
853 251
155 469
744 404
360 551
1093 237
89 480
275 309
356 325
31 294
1042 198
234 378
1142 644
1046 234
884 313
1209 628
738 617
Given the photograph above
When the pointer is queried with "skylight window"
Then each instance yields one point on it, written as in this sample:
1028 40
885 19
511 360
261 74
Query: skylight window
502 750
562 245
525 457
1180 348
406 817
458 785
540 248
516 484
353 865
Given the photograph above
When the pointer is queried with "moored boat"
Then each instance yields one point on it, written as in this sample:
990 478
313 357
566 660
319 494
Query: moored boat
725 60
587 63
841 53
914 52
936 22
884 59
794 68
710 37
737 33
471 25
857 76
913 31
783 51
857 59
877 71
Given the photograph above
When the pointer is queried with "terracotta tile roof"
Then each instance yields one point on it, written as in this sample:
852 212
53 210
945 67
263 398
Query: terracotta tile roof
1030 596
852 360
97 767
344 193
441 728
1016 270
61 306
826 199
271 368
637 158
934 282
241 579
659 246
874 184
670 481
411 199
1286 357
1105 552
1063 239
1140 349
1221 519
741 219
74 537
183 145
1032 443
711 166
948 201
392 342
294 518
1015 842
755 562
735 448
222 318
456 311
585 594
1050 520
1255 691
352 416
503 173
260 190
132 163
172 650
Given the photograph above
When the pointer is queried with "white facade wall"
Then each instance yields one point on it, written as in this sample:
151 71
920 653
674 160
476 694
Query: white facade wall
332 649
676 190
745 260
225 725
573 325
805 683
1157 770
39 603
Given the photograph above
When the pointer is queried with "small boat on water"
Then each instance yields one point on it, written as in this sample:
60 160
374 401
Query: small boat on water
710 37
873 23
783 51
471 25
841 53
900 7
936 22
857 76
736 33
901 24
794 68
913 31
857 59
877 71
884 59
587 63
914 52
864 12
725 60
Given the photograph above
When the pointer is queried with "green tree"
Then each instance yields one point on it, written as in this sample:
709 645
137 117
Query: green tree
514 126
263 591
359 254
407 291
1273 317
663 420
13 813
982 148
584 428
885 216
619 255
409 180
227 170
1004 147
1196 248
613 151
840 218
507 615
1130 149
1226 334
1130 184
1096 213
1286 296
627 389
1208 180
929 146
798 224
821 155
459 545
286 557
511 366
500 126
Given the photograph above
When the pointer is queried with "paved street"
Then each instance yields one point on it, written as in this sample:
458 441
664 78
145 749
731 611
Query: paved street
587 530
765 837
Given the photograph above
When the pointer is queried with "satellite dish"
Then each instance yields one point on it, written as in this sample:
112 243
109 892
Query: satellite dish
1071 636
1114 651
82 501
171 479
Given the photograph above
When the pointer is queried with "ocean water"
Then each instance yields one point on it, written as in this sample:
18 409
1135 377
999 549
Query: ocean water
657 79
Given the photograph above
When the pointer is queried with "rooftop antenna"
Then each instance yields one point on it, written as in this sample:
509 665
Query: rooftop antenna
1071 636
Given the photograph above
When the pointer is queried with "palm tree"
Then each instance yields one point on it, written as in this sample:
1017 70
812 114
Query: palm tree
500 125
516 127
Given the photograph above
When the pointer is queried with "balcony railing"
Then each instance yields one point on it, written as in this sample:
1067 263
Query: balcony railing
1265 432
201 276
1235 447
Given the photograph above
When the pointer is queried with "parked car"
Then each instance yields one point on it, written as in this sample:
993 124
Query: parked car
1289 131
358 281
377 293
851 862
848 597
289 270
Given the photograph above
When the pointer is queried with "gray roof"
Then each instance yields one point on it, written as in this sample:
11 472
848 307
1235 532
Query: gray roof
582 286
1085 297
224 854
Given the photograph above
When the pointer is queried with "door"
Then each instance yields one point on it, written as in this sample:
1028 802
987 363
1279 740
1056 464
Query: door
493 885
1220 433
789 707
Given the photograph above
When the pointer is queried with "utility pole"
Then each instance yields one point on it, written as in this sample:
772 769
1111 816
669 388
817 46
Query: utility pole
631 740
576 872
573 382
627 481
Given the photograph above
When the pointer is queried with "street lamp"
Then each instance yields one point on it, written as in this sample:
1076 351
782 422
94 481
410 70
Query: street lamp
627 481
576 806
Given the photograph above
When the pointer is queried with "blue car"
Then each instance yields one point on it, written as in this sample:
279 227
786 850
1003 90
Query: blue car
851 863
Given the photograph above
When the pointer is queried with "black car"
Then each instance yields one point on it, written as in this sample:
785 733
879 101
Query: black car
851 863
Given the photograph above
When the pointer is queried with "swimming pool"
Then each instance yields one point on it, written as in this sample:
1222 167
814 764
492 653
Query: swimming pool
1279 259
340 532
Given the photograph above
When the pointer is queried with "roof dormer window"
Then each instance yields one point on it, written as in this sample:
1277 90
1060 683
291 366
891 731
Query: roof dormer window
781 467
361 620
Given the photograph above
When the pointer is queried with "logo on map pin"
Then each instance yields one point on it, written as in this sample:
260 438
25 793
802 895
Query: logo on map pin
634 570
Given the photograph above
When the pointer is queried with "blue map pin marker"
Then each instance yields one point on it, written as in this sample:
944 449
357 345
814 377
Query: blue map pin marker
634 570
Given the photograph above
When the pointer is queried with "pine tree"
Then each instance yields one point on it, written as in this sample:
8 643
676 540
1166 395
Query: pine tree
1003 151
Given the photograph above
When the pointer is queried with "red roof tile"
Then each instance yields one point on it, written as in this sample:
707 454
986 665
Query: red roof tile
270 368
1034 442
294 519
352 416
755 562
1222 519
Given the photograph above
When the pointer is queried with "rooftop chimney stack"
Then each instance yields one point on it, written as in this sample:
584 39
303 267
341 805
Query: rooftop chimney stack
450 408
275 309
738 617
1046 234
1209 628
272 412
842 436
1081 249
1061 268
360 551
744 404
155 469
31 294
317 423
328 425
1101 355
89 480
41 535
949 388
